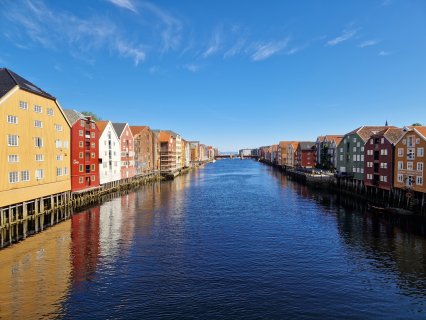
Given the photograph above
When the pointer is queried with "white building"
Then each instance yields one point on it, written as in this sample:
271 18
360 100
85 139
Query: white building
109 153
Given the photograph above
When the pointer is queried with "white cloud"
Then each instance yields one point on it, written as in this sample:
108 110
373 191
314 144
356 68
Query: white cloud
368 43
61 30
192 67
235 49
384 53
265 50
214 44
137 54
345 36
125 4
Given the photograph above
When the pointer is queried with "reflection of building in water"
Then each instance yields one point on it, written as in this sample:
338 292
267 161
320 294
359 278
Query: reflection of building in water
85 244
35 275
111 223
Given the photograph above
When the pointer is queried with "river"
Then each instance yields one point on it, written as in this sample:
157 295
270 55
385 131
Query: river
232 240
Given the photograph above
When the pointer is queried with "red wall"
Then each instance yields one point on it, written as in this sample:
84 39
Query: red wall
388 172
75 156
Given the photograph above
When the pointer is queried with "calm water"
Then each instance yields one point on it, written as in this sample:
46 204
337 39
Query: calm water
233 240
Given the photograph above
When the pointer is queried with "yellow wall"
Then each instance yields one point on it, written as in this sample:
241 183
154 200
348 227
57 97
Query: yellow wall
11 193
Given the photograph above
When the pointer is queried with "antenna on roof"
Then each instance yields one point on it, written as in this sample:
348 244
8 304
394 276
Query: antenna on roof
386 124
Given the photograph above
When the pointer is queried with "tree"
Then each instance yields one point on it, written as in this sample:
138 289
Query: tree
91 114
416 124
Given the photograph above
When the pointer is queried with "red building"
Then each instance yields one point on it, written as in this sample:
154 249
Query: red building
84 151
379 158
127 147
306 155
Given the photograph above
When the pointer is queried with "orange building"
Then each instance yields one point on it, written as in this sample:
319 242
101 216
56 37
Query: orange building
409 158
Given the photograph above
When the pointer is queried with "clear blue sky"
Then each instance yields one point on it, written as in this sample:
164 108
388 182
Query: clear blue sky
231 73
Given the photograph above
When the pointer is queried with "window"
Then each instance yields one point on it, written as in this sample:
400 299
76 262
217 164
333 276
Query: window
12 140
59 172
25 175
419 166
410 141
382 141
341 157
400 152
49 112
410 154
80 155
13 177
93 167
354 140
80 144
13 158
58 127
420 152
92 134
38 109
65 171
362 157
358 158
385 178
12 119
400 165
66 144
353 169
400 178
80 180
58 144
354 149
92 155
381 178
80 133
404 141
80 168
362 170
23 105
59 157
93 145
82 123
419 181
371 141
38 142
38 124
39 157
93 126
409 166
354 157
362 149
39 174
358 144
417 141
93 178
341 149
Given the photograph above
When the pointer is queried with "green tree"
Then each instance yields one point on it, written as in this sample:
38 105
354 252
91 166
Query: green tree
416 124
91 114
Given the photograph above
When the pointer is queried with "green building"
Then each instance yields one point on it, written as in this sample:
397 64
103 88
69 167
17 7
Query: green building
350 152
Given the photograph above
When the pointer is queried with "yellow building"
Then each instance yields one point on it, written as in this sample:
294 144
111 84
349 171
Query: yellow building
35 147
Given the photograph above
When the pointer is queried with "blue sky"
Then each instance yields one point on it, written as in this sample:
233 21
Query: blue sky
231 73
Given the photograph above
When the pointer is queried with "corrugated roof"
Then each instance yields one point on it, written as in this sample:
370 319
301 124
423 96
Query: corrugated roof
73 116
119 127
9 79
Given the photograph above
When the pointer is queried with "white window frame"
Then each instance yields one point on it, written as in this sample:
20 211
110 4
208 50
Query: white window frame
13 177
39 157
38 142
23 105
12 140
38 109
13 158
12 119
25 175
39 174
38 124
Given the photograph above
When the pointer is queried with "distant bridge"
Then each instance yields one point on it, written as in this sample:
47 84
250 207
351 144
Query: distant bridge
232 156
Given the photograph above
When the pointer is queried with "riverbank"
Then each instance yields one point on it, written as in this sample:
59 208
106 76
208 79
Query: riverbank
394 201
23 220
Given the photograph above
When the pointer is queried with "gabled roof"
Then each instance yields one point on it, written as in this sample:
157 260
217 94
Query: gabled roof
73 116
333 137
293 144
306 145
421 130
9 79
391 134
138 129
119 127
321 138
165 136
365 132
172 133
102 125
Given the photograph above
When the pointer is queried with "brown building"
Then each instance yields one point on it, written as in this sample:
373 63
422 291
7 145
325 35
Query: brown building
167 153
378 158
282 152
144 149
306 155
409 160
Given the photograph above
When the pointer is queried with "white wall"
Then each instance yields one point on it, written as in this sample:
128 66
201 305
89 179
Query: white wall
107 173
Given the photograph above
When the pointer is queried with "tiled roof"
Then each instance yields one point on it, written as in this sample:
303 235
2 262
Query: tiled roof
165 136
101 125
138 129
307 145
365 132
9 79
393 134
334 137
294 144
321 138
119 127
421 130
284 144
